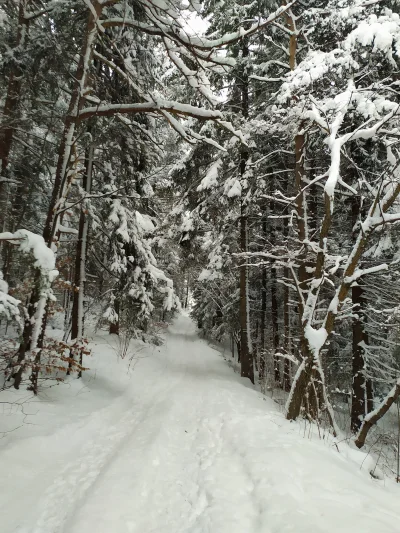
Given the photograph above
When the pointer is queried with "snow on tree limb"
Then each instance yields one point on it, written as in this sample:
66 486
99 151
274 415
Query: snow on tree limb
195 43
31 243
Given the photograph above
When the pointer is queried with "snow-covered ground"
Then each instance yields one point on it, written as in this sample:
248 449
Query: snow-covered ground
179 445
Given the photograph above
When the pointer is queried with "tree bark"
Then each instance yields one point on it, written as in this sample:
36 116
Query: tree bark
359 407
373 417
359 402
187 293
286 317
262 369
275 327
246 349
299 172
77 325
246 355
114 326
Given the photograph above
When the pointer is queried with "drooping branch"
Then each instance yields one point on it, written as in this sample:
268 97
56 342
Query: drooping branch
174 108
176 33
164 107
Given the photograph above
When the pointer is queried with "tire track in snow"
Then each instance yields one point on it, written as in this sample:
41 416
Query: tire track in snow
74 481
77 477
152 485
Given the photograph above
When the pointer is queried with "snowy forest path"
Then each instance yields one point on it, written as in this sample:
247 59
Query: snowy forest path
162 477
183 446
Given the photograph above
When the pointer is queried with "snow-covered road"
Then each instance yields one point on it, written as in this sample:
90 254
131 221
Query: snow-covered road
182 446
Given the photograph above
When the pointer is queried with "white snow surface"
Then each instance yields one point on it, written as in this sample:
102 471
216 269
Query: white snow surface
181 444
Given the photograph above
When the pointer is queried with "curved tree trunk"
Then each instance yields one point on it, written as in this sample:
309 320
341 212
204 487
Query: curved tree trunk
373 417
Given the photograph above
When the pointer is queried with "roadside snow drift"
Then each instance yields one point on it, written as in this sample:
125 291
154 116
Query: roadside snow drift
179 445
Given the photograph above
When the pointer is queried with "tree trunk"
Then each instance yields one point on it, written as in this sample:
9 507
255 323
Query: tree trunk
187 293
359 386
246 355
80 264
246 349
300 142
286 375
262 369
370 396
286 318
373 417
304 388
274 301
275 327
300 384
26 337
359 402
114 326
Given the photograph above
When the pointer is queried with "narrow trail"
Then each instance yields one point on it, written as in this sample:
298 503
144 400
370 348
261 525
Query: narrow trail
188 448
159 481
